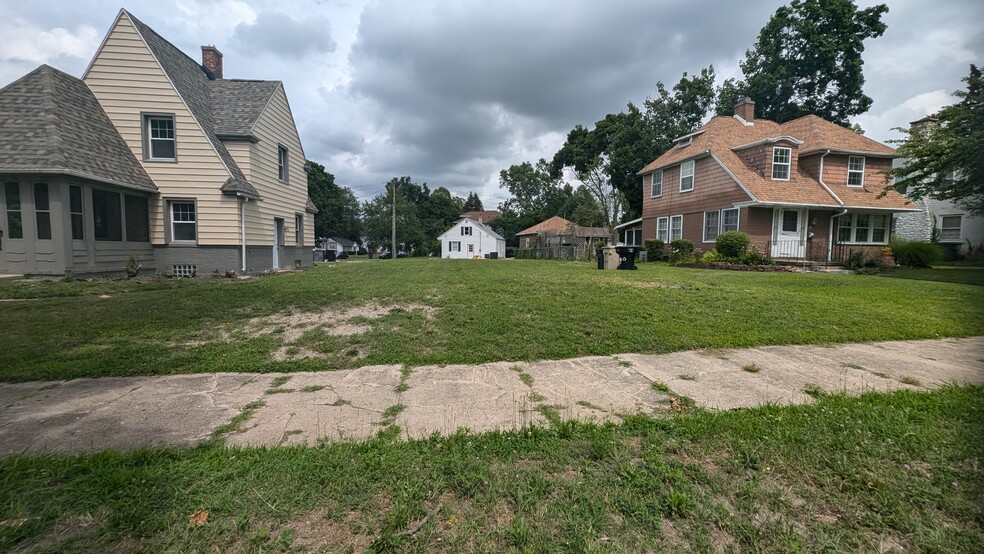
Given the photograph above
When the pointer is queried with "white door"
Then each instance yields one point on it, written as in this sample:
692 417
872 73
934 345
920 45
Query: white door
278 241
788 240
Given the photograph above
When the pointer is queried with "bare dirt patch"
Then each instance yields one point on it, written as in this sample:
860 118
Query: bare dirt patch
316 531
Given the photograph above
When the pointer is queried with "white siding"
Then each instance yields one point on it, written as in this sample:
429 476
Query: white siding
482 243
127 80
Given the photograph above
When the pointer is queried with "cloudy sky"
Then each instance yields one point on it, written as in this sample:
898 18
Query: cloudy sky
451 92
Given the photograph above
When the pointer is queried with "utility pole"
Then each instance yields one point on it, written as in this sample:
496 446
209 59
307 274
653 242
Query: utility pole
393 247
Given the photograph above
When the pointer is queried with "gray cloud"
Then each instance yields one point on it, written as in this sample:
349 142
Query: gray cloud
281 34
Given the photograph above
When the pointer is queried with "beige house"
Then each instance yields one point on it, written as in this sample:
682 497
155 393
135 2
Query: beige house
155 155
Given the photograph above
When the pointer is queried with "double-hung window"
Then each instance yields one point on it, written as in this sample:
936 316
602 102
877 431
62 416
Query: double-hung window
454 246
42 211
687 176
729 220
676 227
183 221
466 231
299 229
712 225
855 171
75 206
282 165
159 141
663 229
950 228
656 185
862 229
781 161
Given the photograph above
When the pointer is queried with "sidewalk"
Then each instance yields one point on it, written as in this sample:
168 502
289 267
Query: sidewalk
181 410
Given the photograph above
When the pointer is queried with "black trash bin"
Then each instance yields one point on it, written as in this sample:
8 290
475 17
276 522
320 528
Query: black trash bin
330 255
493 255
626 256
600 256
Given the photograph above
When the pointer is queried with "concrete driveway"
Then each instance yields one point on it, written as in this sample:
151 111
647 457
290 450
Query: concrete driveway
303 408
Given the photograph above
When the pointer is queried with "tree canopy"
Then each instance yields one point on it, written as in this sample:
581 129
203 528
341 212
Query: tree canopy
944 158
421 216
338 209
807 60
473 203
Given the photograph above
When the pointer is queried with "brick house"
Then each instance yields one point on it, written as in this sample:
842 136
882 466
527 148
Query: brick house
151 154
806 189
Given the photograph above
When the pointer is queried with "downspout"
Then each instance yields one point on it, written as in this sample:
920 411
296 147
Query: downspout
242 223
830 225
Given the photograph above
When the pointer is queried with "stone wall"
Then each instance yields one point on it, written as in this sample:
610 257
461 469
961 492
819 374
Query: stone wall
914 225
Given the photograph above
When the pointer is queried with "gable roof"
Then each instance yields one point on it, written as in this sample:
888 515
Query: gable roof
50 122
723 136
482 216
191 82
343 242
553 225
488 230
238 103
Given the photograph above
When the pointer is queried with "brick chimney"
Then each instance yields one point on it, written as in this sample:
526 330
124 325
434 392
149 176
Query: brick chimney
212 59
745 108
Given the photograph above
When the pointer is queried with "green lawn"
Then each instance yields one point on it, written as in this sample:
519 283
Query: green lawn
966 274
442 311
869 474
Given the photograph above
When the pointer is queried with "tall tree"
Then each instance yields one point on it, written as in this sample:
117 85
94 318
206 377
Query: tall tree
807 60
421 215
945 159
473 203
631 139
537 194
338 208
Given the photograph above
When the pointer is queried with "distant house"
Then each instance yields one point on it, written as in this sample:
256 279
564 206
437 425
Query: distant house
468 238
955 228
153 155
804 189
558 231
482 216
340 245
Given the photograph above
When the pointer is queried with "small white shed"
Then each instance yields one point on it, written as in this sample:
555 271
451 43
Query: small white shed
468 238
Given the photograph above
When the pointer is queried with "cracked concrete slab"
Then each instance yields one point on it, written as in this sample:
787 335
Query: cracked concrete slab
127 413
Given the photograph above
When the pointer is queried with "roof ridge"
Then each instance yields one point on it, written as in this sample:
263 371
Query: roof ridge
52 126
135 19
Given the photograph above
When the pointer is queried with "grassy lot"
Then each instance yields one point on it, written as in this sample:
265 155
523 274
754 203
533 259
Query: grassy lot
875 473
966 274
427 311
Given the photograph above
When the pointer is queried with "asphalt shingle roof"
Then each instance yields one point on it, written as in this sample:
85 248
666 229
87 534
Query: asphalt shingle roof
722 135
192 83
553 225
238 103
51 121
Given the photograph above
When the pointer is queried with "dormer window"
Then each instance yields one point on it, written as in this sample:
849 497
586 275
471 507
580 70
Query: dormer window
855 171
781 161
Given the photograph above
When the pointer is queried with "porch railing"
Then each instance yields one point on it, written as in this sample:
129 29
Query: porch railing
814 251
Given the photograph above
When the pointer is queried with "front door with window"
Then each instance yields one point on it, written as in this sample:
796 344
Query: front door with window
788 237
278 241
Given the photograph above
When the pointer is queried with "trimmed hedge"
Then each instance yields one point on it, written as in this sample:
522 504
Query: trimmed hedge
908 253
732 244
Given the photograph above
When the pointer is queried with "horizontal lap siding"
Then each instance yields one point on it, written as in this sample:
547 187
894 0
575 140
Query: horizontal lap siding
835 172
275 127
714 189
127 80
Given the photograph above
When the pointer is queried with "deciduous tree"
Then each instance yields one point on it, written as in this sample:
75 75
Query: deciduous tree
944 159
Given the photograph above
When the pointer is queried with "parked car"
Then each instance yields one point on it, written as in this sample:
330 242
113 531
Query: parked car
401 254
385 256
342 256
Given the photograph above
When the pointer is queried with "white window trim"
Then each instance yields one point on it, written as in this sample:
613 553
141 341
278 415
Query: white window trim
737 219
788 165
959 229
282 151
652 183
704 228
871 229
670 229
454 246
861 171
689 164
148 153
667 221
170 210
466 228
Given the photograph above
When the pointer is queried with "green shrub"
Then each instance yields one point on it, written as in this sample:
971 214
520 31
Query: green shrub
681 251
712 256
908 253
855 260
755 257
654 249
732 244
